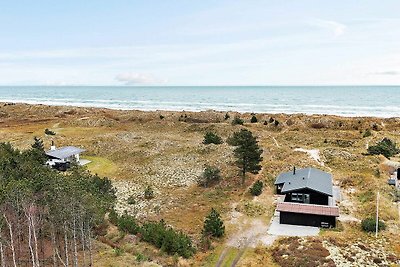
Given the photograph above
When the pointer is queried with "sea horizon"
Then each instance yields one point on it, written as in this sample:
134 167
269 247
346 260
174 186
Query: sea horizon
360 101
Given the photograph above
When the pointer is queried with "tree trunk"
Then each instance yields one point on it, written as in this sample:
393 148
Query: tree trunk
30 240
83 241
66 245
32 219
89 245
11 239
2 258
243 174
74 242
53 241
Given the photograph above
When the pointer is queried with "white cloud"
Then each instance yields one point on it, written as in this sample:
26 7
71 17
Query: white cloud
333 26
388 72
132 78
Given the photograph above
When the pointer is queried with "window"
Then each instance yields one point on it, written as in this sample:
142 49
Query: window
297 197
300 197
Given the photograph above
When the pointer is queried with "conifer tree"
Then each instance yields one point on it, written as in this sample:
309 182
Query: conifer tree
213 224
247 152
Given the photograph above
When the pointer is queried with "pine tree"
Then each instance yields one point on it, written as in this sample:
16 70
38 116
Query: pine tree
213 224
247 152
212 138
37 152
38 144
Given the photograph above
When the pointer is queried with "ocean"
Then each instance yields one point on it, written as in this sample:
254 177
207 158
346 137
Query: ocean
351 101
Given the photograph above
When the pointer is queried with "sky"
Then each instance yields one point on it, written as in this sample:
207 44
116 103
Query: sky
167 42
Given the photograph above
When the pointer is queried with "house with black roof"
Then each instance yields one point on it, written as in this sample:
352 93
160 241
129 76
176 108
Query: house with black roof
308 198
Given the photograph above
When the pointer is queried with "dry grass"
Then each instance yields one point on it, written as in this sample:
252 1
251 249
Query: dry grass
137 149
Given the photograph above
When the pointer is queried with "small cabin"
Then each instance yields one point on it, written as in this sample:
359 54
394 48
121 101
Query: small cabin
308 198
61 158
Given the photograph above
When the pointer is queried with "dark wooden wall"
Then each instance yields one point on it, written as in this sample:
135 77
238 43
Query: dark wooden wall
306 219
315 197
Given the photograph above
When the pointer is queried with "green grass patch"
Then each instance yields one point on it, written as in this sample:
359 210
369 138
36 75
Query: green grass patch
101 166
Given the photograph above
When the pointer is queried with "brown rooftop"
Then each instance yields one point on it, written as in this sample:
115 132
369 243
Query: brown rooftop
308 209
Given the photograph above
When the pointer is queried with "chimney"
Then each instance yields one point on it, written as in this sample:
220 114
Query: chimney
53 146
294 170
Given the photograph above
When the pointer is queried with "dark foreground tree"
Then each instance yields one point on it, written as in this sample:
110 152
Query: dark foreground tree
42 208
247 152
213 225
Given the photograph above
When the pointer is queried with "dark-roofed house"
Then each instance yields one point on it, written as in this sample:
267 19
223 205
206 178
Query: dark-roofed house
308 198
60 158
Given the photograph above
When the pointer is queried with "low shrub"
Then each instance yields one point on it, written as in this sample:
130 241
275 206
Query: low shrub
149 192
257 188
113 217
227 116
140 257
212 138
127 223
276 123
253 119
156 233
49 132
118 252
161 117
237 121
369 225
131 200
167 239
210 174
385 147
367 133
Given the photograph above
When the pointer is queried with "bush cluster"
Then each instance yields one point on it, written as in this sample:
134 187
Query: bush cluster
156 233
212 138
210 175
367 133
237 121
149 192
49 132
385 147
167 239
128 224
369 225
253 119
257 188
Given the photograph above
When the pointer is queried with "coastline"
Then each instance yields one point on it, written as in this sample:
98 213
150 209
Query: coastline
346 101
195 110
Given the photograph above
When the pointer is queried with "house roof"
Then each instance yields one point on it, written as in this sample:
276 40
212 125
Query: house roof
308 178
308 209
64 152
